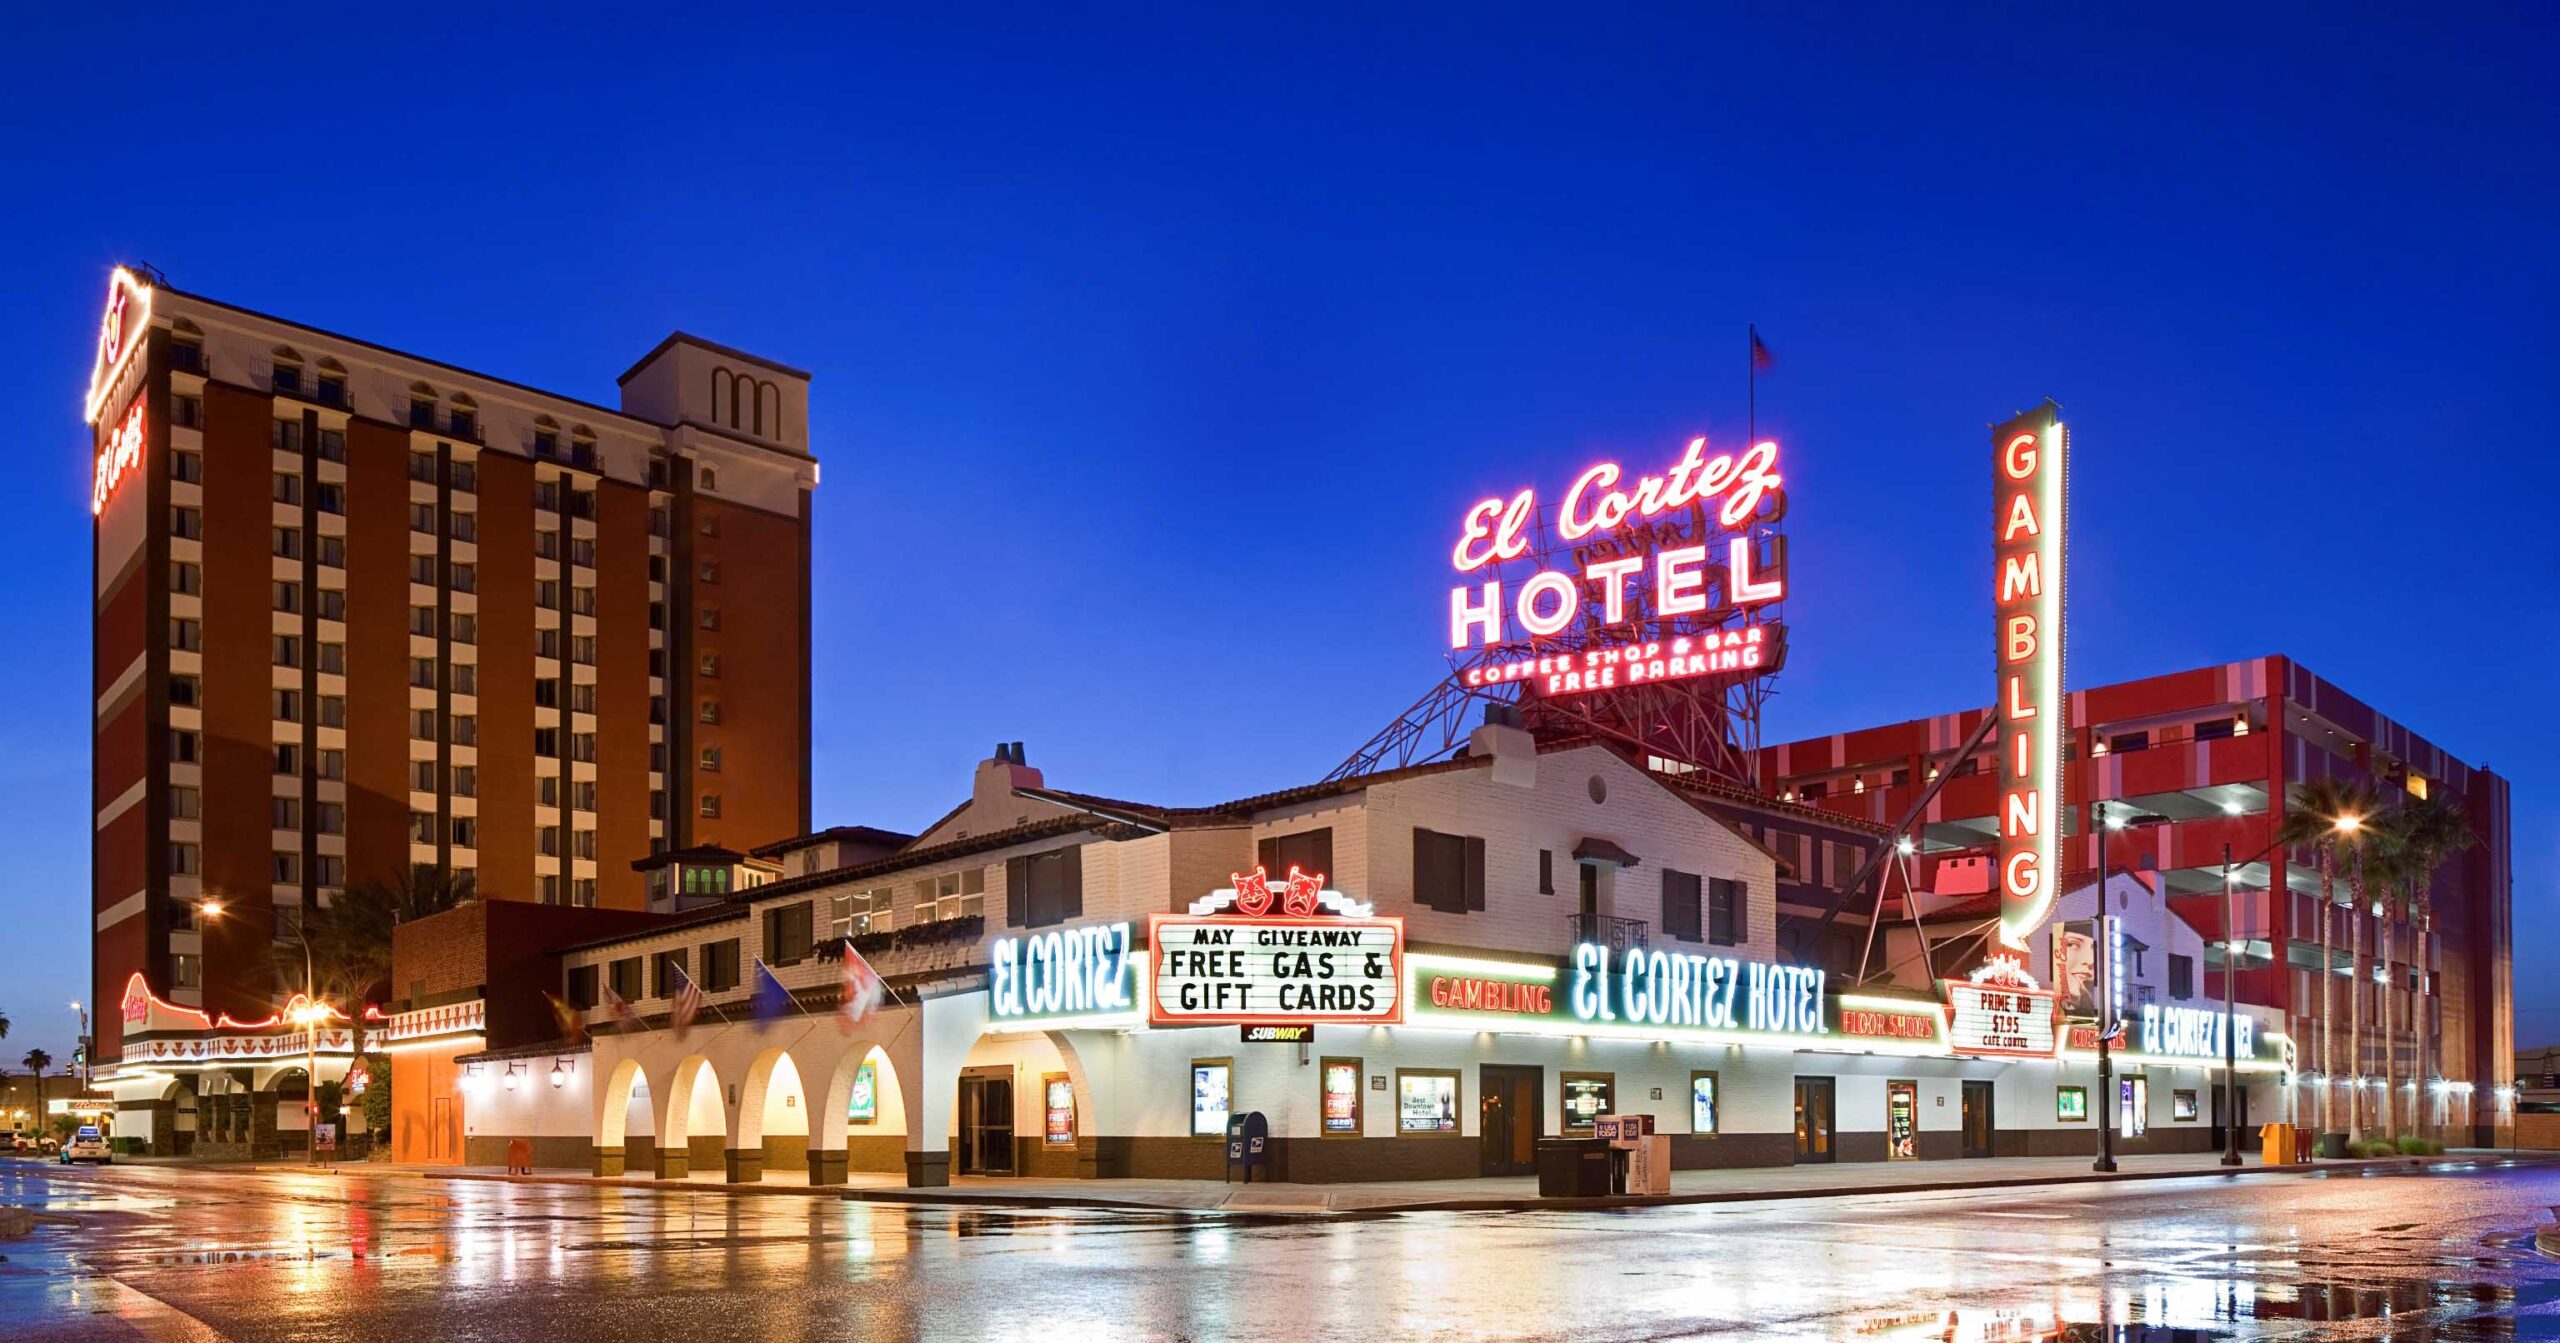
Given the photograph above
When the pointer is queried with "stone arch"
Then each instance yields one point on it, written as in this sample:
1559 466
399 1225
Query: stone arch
624 1094
693 1119
773 1118
839 1143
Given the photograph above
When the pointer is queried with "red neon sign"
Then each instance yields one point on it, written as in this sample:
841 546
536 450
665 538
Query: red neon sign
2030 462
120 455
120 330
1651 576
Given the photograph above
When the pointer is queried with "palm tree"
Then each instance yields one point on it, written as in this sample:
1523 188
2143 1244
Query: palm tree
37 1061
2361 848
2387 870
2430 832
4 1024
351 945
2325 817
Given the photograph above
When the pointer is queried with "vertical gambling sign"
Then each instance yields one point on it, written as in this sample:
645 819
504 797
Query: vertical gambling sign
2030 461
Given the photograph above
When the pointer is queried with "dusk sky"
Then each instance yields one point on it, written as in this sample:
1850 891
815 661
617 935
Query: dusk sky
1156 358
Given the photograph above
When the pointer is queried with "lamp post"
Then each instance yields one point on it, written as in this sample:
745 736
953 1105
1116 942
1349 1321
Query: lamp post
2230 1010
308 1017
86 1084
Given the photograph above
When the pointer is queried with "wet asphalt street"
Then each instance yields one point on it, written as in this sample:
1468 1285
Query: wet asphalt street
169 1253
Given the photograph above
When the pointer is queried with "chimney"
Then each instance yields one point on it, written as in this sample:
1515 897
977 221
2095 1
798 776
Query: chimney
1513 751
992 790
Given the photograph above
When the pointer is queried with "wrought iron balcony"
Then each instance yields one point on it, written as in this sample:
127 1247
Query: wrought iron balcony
1615 934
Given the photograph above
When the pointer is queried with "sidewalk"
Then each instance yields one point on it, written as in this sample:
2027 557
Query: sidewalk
1489 1195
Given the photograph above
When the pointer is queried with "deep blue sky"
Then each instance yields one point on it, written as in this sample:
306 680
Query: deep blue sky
1156 357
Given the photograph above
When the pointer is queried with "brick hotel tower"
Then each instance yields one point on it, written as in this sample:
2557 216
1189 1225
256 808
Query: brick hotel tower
359 611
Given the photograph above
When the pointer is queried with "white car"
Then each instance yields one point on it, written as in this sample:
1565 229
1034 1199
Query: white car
88 1145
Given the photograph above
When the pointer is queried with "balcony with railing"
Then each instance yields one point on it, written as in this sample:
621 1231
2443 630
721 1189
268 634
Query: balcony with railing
1618 935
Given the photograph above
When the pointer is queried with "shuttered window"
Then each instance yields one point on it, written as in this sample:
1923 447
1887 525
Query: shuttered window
1310 851
1680 913
1448 872
1044 888
1725 927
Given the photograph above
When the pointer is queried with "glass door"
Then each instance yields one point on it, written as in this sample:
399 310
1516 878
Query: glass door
1813 1119
1511 1118
986 1124
1902 1121
1977 1119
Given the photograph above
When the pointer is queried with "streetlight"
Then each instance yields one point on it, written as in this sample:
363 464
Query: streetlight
308 1016
86 1085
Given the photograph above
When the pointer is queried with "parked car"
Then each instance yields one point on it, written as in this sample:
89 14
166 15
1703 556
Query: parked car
88 1144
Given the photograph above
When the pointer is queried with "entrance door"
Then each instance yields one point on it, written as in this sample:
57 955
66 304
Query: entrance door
986 1123
1512 1118
2248 1131
1977 1119
1813 1119
1902 1121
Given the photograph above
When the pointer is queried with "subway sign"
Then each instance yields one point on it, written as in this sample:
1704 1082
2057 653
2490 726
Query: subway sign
1066 974
1635 991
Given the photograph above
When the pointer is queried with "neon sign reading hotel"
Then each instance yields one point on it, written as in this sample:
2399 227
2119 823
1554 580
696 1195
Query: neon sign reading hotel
2030 464
1643 560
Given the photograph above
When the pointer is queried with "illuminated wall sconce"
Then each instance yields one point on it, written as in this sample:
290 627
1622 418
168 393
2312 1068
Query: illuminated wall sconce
511 1077
560 1070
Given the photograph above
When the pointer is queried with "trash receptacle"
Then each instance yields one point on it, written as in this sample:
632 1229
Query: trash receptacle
2301 1145
2333 1146
2275 1144
1573 1168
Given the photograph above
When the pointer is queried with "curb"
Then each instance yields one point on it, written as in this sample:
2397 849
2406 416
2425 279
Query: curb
1000 1199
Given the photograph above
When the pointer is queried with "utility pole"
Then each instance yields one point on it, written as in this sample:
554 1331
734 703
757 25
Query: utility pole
2105 955
2230 1012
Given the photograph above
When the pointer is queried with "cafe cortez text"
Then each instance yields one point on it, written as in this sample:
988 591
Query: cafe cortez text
1662 593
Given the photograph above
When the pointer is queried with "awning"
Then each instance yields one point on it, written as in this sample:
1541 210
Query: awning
1602 851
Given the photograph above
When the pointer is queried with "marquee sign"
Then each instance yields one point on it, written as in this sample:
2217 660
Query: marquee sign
1661 575
1068 972
120 333
1999 1012
1299 965
2194 1032
2031 457
1648 993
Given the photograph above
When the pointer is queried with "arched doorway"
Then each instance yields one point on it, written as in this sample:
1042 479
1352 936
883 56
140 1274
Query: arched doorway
693 1123
862 1120
773 1120
626 1123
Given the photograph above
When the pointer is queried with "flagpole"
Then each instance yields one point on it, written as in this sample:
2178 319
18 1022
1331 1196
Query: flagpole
1751 376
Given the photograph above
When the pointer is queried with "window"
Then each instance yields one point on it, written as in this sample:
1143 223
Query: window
286 705
548 841
329 818
187 524
333 603
582 697
466 832
582 844
1308 851
464 577
466 729
1546 871
1338 1098
1705 1118
288 651
466 678
284 869
1680 912
709 806
186 636
184 860
286 542
787 936
720 966
184 691
185 579
623 978
859 912
465 526
582 797
1426 1100
187 412
1587 1096
711 665
422 518
582 892
288 758
182 747
2182 975
422 724
465 629
187 467
286 380
546 644
710 479
1448 871
333 552
1724 912
582 601
328 870
328 498
582 552
464 423
288 488
422 827
546 442
711 711
667 972
422 775
582 987
466 477
582 649
186 971
422 621
333 711
184 804
186 354
2129 741
548 889
710 525
466 781
711 617
1043 889
287 597
546 742
333 764
1212 1096
711 571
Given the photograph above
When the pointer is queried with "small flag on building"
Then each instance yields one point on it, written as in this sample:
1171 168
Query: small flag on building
623 1016
862 990
1760 356
687 1003
771 1000
573 1023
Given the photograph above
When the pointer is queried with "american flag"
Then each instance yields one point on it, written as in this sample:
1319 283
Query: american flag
687 1003
862 990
